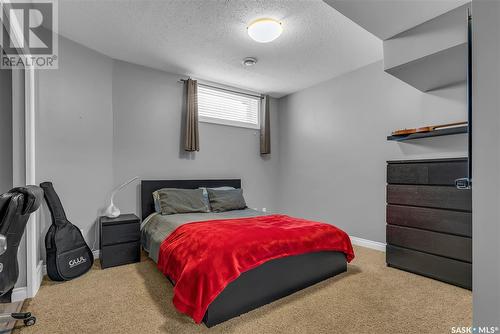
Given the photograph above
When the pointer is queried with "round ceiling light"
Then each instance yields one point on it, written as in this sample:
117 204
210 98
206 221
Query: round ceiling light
264 30
249 61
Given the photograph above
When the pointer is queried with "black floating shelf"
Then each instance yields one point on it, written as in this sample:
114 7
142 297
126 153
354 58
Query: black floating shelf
435 133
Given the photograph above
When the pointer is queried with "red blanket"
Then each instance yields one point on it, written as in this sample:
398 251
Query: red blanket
202 258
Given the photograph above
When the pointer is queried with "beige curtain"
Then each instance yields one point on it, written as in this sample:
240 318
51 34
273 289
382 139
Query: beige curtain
265 128
192 137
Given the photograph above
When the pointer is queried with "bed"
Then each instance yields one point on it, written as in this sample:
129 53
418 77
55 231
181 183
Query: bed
261 285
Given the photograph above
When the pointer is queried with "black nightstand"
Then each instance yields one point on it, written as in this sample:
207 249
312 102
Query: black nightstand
120 240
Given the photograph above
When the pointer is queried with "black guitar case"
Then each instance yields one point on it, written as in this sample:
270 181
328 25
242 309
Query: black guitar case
68 255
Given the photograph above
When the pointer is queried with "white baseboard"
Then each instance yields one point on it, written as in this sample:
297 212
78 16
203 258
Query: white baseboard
39 277
96 253
380 246
19 294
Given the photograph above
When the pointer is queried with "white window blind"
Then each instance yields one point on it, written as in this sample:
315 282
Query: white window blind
223 107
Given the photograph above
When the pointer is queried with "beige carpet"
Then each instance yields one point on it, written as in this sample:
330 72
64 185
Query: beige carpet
369 298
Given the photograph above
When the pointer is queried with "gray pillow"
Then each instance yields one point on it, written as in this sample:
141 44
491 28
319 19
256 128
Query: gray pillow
172 200
156 200
226 200
205 193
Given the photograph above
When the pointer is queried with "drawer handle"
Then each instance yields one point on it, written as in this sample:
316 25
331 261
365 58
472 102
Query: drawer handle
463 183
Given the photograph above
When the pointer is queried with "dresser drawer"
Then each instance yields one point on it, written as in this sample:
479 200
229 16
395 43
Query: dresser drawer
118 233
437 267
426 173
430 196
445 221
452 246
115 255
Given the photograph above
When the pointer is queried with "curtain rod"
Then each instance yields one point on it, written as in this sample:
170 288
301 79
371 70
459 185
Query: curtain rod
225 89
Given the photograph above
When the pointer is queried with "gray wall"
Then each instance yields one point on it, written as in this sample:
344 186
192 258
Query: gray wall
147 108
120 120
74 134
5 130
486 163
333 147
101 122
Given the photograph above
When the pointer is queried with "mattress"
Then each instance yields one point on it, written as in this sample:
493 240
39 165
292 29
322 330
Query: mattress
157 227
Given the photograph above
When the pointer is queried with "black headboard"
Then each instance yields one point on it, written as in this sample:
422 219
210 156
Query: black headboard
149 186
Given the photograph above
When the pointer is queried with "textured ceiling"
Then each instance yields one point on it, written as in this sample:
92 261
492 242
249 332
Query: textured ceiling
386 18
207 39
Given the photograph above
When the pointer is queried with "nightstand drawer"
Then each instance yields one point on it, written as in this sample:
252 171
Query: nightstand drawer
115 255
118 233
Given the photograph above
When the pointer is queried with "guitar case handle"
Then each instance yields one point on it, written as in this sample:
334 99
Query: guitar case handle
54 204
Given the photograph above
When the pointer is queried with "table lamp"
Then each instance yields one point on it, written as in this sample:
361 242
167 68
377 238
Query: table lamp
112 211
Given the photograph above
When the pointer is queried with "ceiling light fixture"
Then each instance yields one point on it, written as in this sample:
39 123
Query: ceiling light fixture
264 30
249 61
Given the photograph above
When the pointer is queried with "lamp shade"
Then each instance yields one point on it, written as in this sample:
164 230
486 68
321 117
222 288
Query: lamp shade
112 211
264 30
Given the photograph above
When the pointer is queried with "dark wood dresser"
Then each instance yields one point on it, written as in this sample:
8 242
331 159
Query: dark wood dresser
120 240
429 221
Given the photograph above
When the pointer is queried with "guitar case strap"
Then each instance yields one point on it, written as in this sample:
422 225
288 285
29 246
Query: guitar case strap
54 204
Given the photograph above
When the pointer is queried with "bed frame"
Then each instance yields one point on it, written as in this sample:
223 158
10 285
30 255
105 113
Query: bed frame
262 285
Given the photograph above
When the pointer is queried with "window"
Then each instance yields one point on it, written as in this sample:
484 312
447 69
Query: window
217 105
